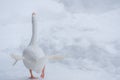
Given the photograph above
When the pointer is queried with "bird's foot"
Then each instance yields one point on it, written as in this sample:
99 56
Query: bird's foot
33 78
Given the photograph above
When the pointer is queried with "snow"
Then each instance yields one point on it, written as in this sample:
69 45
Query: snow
53 71
87 34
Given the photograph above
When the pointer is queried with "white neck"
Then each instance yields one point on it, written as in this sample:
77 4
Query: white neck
34 30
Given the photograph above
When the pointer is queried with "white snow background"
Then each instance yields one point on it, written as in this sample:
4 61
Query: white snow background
86 31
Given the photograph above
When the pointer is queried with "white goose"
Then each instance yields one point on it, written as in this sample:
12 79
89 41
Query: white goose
33 56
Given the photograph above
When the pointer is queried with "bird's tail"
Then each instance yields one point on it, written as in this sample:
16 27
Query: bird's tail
16 58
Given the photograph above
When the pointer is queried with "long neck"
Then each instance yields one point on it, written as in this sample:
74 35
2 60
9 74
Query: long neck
34 30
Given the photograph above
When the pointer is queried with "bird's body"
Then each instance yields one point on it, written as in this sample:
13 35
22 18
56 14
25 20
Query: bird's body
34 58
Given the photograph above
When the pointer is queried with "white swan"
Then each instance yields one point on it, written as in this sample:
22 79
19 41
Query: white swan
33 56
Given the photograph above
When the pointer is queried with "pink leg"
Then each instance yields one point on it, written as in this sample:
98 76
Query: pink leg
43 73
31 75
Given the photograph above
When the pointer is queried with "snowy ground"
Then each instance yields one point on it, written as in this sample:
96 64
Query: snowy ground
87 34
53 71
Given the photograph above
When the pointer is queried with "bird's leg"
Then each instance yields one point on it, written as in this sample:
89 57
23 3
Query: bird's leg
43 73
31 75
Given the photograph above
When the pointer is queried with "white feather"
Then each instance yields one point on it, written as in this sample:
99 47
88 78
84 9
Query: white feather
16 58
